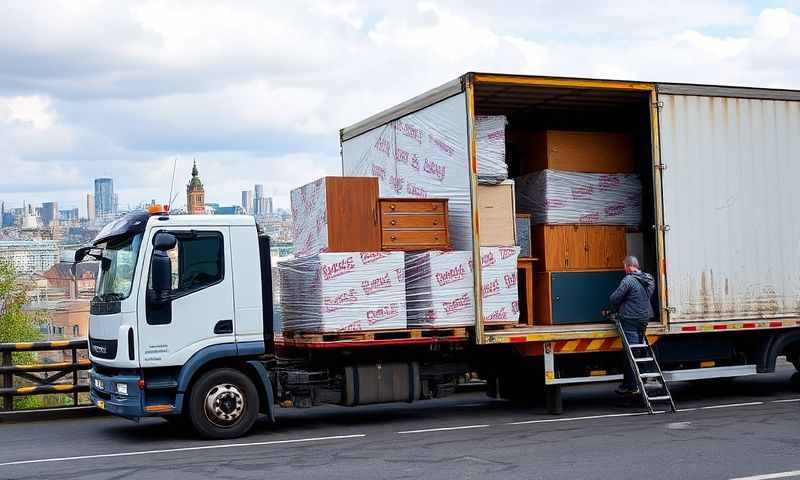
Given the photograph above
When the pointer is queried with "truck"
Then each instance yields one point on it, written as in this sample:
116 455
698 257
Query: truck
182 324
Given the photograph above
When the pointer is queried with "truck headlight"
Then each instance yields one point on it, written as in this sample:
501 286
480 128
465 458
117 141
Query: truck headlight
122 388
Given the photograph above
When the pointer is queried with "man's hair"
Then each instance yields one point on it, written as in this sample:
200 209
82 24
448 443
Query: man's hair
631 261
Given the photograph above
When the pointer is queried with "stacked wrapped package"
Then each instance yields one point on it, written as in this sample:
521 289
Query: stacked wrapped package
343 292
439 289
490 141
559 197
309 221
499 279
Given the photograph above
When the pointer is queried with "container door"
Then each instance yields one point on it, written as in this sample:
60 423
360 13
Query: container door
730 206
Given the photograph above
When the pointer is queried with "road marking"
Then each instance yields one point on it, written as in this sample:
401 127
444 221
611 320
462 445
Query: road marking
181 449
442 429
795 473
786 400
572 419
731 405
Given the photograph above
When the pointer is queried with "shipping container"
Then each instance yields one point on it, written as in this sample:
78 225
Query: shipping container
717 166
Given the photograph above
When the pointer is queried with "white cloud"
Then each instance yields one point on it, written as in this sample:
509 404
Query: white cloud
258 90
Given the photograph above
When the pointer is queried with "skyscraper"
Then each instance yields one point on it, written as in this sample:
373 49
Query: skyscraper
104 197
269 206
90 213
247 201
195 194
49 213
258 203
259 191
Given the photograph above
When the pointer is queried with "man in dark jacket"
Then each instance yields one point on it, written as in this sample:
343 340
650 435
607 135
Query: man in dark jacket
631 301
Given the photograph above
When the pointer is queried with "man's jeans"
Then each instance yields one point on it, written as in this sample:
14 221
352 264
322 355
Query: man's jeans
634 331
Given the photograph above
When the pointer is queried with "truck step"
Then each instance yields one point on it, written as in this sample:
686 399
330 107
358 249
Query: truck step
644 359
660 398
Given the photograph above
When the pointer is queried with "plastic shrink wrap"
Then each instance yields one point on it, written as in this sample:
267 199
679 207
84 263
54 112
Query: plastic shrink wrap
439 289
499 278
555 196
309 220
341 292
490 141
420 155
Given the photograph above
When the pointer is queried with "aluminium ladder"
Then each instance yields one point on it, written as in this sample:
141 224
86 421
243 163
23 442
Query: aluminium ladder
652 386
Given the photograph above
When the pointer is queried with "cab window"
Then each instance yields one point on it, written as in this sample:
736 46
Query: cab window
197 261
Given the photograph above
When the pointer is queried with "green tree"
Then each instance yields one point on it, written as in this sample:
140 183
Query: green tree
16 323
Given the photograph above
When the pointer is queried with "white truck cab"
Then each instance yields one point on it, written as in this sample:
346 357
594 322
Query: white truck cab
175 295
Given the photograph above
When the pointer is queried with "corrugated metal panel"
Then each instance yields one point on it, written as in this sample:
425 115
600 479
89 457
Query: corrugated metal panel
731 192
725 91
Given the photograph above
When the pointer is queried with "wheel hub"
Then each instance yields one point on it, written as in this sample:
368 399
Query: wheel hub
224 404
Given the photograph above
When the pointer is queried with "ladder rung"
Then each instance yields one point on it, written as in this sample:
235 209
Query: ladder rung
644 359
649 375
639 345
659 398
653 385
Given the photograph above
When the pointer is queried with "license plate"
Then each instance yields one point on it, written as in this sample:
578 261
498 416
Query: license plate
98 384
101 404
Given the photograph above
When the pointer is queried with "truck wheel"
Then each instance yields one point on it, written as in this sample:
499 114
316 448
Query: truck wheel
223 404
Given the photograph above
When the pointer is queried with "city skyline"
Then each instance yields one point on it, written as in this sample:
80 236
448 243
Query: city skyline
276 201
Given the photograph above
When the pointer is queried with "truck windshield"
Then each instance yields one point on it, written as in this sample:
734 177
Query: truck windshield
117 268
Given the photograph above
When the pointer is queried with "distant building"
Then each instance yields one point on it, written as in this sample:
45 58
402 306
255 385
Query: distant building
247 201
259 191
49 213
195 194
69 217
90 212
79 285
104 198
30 256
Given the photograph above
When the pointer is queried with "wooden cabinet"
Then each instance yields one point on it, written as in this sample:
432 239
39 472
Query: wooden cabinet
568 298
591 152
414 224
336 214
496 214
579 247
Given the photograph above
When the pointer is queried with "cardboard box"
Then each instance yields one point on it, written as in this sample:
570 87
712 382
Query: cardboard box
589 152
496 214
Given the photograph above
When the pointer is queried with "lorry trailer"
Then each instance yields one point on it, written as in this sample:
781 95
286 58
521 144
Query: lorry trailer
182 324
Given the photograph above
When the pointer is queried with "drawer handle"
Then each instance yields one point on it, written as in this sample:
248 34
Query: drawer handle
436 222
393 222
393 238
392 206
435 207
436 238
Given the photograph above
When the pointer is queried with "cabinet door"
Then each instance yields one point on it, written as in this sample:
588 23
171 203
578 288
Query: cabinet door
550 246
353 223
615 248
576 247
605 246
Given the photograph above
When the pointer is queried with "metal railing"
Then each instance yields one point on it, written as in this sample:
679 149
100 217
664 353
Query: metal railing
42 378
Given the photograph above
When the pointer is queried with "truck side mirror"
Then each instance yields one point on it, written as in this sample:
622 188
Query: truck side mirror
161 271
164 241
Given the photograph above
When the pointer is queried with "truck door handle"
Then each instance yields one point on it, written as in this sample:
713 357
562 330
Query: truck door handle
223 326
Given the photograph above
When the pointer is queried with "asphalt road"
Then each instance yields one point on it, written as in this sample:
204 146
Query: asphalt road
725 430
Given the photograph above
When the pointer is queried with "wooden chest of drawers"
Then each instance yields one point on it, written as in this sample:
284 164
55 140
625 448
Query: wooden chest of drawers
414 224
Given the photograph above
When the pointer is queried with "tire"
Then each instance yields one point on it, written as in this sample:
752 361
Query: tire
223 404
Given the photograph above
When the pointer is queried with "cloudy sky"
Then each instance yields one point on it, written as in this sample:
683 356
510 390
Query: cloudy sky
257 91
